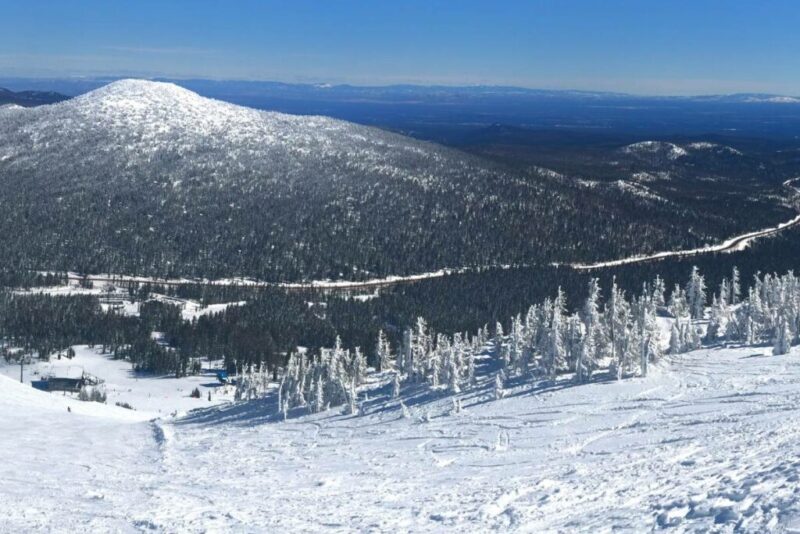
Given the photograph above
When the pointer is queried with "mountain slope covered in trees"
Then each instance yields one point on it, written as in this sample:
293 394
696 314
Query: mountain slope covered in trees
29 98
147 178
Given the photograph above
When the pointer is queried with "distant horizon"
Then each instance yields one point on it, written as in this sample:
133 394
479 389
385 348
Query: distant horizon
680 48
109 78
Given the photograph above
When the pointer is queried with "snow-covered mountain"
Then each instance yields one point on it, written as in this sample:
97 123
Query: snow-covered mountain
147 177
131 123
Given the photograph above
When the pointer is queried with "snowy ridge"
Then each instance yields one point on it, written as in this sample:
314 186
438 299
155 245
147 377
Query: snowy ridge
774 99
670 150
715 147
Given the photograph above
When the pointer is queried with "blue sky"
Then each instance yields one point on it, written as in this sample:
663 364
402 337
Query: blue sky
649 47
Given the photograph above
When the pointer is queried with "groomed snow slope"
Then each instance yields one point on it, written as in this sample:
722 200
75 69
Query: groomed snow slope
150 395
708 442
70 471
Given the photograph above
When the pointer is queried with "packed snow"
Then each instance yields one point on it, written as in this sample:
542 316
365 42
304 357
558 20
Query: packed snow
148 395
705 442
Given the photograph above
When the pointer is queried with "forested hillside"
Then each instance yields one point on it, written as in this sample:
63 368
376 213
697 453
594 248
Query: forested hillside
29 98
148 178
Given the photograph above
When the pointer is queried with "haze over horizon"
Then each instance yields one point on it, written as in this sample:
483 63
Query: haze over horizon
678 49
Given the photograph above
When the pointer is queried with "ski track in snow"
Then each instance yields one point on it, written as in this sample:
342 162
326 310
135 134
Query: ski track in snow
708 442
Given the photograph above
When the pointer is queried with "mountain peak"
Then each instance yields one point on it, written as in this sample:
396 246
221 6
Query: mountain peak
142 91
139 86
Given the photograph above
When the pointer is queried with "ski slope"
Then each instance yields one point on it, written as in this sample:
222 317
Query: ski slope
151 395
710 441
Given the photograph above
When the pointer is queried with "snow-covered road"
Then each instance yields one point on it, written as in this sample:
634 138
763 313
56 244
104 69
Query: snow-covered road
733 244
709 441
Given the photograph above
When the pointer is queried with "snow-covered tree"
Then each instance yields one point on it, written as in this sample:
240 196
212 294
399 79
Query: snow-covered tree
625 333
678 305
782 342
735 288
554 355
659 290
617 325
383 353
717 319
499 391
647 332
696 294
406 357
593 340
675 342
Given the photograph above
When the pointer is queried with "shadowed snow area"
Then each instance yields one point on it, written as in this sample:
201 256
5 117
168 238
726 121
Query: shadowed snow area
708 442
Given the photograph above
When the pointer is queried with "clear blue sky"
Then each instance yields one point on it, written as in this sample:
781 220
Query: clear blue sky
651 47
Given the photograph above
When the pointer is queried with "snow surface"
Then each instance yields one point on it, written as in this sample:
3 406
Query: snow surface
112 296
150 395
102 282
708 442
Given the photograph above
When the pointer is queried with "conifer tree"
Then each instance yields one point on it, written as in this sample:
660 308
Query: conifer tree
782 342
383 353
735 287
696 294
